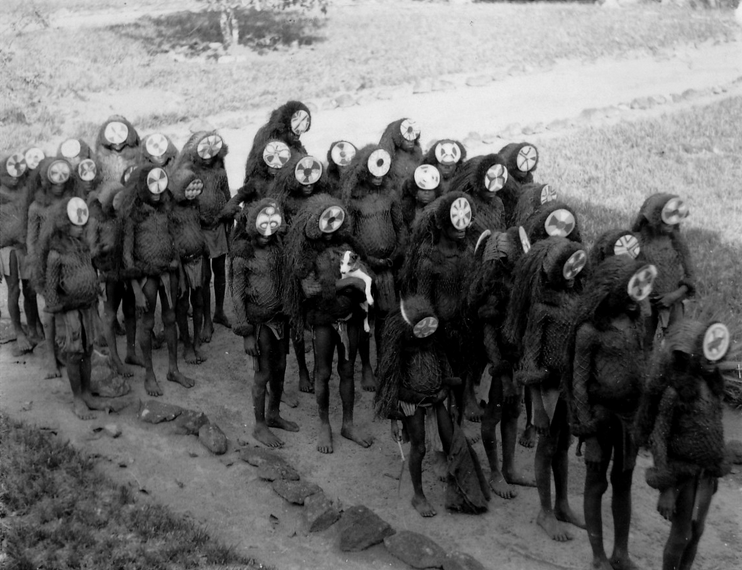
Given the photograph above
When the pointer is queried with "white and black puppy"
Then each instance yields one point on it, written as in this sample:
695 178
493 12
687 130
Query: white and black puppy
352 266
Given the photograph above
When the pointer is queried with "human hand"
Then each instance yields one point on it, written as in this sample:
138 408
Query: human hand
346 282
666 503
666 300
251 345
396 432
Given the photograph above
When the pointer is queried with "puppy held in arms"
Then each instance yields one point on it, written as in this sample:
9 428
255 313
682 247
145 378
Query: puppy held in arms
351 266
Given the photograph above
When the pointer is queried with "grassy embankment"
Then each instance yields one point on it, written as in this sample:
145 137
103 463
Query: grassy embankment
58 511
356 48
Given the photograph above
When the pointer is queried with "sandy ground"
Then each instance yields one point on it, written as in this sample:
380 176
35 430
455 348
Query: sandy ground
239 508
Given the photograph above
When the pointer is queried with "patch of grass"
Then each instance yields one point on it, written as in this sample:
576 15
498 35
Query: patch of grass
58 511
608 172
357 47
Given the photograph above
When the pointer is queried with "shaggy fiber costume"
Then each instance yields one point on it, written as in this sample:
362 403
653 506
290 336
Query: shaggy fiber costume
339 156
75 151
614 242
447 155
553 219
401 139
482 178
157 149
116 148
85 168
419 190
13 206
256 271
531 198
301 177
376 223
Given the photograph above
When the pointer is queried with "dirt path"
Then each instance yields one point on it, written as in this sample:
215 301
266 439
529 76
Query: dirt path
237 507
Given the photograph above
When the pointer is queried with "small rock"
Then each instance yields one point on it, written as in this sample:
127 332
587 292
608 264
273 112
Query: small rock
361 528
329 105
479 80
734 450
512 130
256 456
473 135
26 407
364 100
517 69
690 94
271 471
676 97
718 90
422 86
490 138
642 103
154 412
213 438
443 85
295 491
113 430
189 422
558 125
658 99
461 561
345 100
415 549
611 112
591 114
533 129
319 513
104 382
227 460
200 125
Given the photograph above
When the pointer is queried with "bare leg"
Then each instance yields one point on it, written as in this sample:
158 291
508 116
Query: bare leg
346 365
415 427
621 507
22 344
276 356
368 380
681 531
528 438
110 304
31 307
171 334
509 432
697 527
208 330
147 323
560 469
181 318
79 405
324 347
261 377
596 484
197 303
492 417
306 384
220 285
51 370
91 401
128 307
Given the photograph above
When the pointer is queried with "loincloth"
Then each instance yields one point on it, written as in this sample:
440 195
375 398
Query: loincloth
341 328
409 408
554 413
191 274
614 439
276 326
216 240
79 334
24 269
163 281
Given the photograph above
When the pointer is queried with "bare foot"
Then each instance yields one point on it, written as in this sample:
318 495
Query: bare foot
121 369
423 507
622 563
324 442
473 411
189 355
472 436
528 437
151 386
81 410
181 379
104 405
566 514
368 381
200 355
22 344
221 319
207 332
350 432
52 372
553 527
305 382
132 358
517 478
281 423
290 399
266 436
601 564
500 487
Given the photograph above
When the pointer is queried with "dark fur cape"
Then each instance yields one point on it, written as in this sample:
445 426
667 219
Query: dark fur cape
534 224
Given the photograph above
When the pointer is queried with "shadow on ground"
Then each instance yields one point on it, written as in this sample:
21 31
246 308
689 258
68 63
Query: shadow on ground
259 30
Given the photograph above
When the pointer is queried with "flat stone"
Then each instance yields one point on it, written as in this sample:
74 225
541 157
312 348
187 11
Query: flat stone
461 561
591 114
558 125
345 100
104 382
415 549
319 513
422 86
271 471
479 80
190 422
734 450
295 491
642 103
676 97
213 438
112 430
690 94
154 412
533 129
361 528
443 85
256 456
